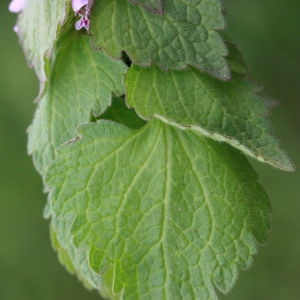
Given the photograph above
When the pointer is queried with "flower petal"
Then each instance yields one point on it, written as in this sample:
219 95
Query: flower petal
82 23
78 4
90 4
16 6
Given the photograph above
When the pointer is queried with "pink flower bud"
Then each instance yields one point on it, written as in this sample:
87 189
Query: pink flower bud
16 6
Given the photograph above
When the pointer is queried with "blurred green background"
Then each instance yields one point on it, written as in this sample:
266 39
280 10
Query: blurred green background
268 33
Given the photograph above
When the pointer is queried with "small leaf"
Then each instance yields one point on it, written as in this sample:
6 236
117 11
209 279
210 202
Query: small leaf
226 111
38 27
155 6
185 35
82 83
161 212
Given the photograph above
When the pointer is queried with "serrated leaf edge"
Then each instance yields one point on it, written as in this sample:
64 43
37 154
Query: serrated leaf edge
222 138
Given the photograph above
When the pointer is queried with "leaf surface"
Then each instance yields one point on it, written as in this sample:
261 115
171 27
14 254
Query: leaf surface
155 6
161 213
230 111
38 27
82 83
119 113
184 35
74 262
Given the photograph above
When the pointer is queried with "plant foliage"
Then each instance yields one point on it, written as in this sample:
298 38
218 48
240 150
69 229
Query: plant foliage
140 135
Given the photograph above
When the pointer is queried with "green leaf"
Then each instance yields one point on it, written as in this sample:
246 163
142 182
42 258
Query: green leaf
155 6
228 111
38 26
63 255
235 60
76 266
121 114
82 83
161 212
185 35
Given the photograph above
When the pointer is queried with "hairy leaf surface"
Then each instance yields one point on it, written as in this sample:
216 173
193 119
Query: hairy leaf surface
226 111
75 261
38 28
82 83
161 212
184 35
155 6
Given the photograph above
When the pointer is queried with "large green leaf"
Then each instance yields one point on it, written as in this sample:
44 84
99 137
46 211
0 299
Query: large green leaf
38 27
82 83
155 6
162 213
184 35
228 111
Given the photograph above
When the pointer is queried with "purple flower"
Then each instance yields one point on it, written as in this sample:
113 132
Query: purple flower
16 6
82 8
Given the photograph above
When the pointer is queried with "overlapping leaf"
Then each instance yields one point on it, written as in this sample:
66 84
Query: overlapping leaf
38 27
226 111
82 82
160 211
184 35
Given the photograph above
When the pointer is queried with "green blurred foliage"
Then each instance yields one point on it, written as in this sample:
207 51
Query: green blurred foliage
268 34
